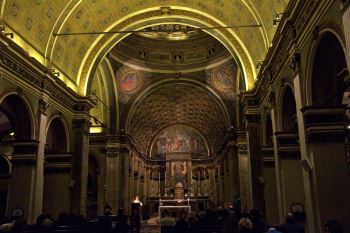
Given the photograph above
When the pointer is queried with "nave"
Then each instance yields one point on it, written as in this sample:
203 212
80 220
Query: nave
185 115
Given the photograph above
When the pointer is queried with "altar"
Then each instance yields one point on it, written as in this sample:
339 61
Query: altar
169 207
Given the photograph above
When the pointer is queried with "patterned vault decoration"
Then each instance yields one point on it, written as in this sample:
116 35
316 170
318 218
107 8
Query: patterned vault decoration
35 21
178 103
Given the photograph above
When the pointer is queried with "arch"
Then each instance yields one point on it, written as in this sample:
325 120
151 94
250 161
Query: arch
111 94
324 82
57 135
103 44
288 110
5 167
20 114
185 81
162 129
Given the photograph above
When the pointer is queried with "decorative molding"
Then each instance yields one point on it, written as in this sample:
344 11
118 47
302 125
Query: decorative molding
43 105
19 67
81 124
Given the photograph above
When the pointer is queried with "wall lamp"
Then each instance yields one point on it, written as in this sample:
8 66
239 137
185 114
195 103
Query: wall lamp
2 30
9 35
259 64
57 74
277 19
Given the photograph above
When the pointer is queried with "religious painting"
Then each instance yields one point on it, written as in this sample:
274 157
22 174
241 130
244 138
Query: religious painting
130 82
179 179
179 139
224 80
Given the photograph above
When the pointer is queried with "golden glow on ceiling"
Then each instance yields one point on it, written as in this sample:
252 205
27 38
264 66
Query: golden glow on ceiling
77 56
170 32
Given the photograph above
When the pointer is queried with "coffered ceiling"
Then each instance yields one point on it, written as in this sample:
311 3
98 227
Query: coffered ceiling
178 103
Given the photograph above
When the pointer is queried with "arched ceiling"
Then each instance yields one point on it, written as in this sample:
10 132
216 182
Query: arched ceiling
163 55
177 103
75 56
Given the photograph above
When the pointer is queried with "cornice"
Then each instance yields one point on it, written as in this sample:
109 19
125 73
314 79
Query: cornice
297 24
18 67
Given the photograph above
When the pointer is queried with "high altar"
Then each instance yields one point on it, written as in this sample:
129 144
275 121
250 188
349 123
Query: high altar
181 182
178 172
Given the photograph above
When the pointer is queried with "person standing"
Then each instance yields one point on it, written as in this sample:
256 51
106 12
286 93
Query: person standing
291 226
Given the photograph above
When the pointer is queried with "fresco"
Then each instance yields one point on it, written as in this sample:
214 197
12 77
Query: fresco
129 82
179 139
223 80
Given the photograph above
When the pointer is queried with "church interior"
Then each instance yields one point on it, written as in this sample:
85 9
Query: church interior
166 108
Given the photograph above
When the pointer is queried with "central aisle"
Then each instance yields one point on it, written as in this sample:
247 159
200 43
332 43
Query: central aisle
151 226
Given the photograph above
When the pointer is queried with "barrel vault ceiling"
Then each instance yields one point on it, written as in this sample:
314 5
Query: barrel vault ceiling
35 21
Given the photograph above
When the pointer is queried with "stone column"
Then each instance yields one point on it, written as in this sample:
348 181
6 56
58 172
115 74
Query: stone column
246 194
230 174
112 175
345 8
168 182
226 186
327 164
22 186
80 160
213 189
221 184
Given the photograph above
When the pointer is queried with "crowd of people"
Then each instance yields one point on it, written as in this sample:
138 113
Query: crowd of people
224 221
107 223
249 221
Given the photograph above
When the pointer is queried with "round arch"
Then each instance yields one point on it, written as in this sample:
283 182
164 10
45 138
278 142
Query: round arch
315 48
60 126
156 134
21 107
143 19
287 109
5 167
183 80
268 130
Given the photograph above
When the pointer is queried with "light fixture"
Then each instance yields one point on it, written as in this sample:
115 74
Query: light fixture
57 74
279 15
259 65
9 35
277 19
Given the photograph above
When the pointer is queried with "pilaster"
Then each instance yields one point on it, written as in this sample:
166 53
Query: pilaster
256 161
80 161
24 161
246 192
112 174
327 164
